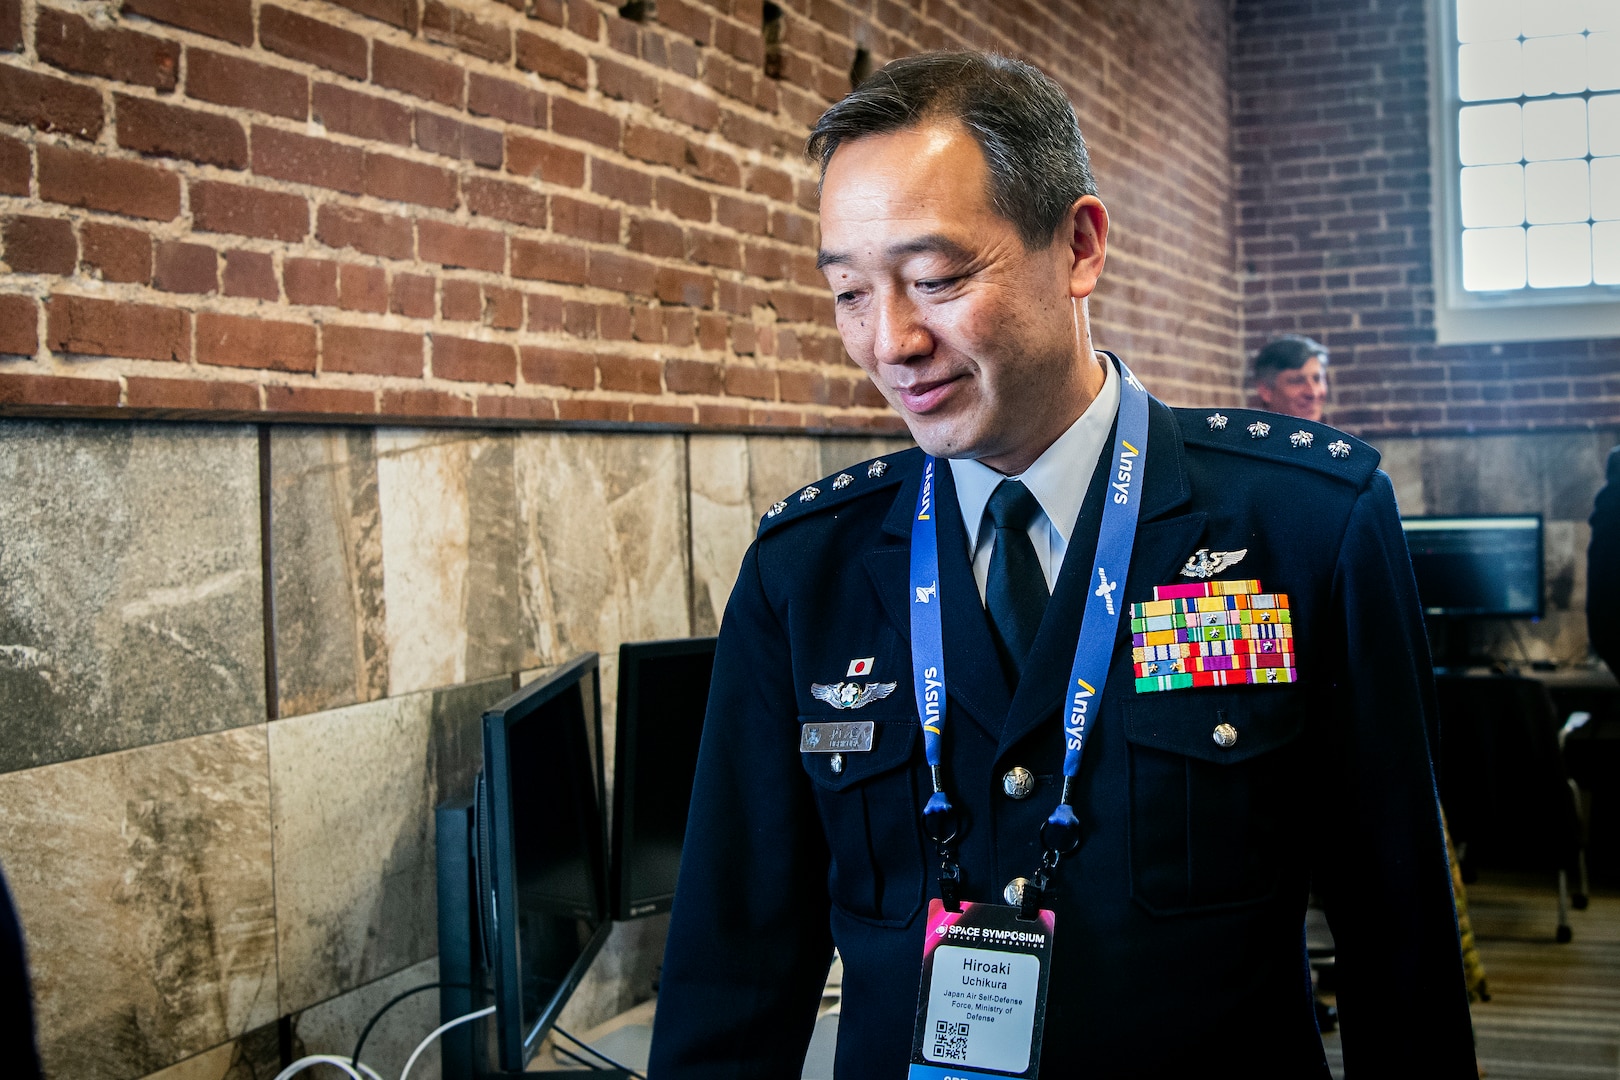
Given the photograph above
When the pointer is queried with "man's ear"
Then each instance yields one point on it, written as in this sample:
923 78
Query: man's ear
1264 391
1086 229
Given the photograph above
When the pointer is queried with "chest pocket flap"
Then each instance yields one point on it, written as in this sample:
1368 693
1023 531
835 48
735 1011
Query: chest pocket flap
892 744
1216 791
870 813
1257 722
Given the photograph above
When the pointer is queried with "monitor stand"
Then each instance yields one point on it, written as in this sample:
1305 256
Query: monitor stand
467 1050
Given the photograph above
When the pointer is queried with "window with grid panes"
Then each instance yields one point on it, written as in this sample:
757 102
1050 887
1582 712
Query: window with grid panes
1528 233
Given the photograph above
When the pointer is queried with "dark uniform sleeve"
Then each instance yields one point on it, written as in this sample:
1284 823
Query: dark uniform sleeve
749 944
1603 569
16 1003
1382 871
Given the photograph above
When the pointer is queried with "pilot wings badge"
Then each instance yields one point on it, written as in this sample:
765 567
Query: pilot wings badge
1206 563
848 695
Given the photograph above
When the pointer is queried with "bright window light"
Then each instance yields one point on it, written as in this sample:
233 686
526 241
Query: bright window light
1493 259
1560 256
1492 195
1555 65
1555 129
1537 185
1556 192
1603 114
1492 134
1606 189
1606 253
1545 18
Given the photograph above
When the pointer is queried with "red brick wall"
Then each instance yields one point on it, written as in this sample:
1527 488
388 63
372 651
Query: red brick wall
508 211
1331 156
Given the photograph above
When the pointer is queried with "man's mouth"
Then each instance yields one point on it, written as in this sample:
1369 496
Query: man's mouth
926 395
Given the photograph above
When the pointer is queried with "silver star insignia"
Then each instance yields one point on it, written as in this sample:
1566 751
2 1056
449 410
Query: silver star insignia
776 508
1339 448
848 695
1259 429
1217 422
876 469
809 494
842 481
1206 563
1302 439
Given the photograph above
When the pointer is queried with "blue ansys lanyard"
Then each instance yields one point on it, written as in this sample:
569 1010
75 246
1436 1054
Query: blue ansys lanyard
1097 630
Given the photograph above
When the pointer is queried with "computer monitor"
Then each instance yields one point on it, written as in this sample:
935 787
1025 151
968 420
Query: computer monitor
663 692
540 828
1477 567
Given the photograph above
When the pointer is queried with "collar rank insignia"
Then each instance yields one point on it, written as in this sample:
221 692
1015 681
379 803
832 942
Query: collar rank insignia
1212 633
1339 449
877 469
1259 429
842 481
848 695
1206 563
776 508
1217 421
1302 439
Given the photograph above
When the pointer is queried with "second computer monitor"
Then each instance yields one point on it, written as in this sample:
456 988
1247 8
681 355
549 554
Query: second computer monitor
1473 567
663 692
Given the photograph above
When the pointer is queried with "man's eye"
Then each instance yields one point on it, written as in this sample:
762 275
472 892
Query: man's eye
846 297
936 284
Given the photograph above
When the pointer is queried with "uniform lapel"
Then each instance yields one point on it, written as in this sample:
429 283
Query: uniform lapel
1162 544
973 671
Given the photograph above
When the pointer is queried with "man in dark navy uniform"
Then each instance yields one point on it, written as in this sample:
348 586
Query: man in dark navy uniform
961 234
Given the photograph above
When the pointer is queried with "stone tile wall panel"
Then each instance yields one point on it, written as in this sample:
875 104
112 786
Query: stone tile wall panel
132 607
143 881
326 536
354 791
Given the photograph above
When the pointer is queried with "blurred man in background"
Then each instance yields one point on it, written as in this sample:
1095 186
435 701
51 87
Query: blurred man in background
1290 377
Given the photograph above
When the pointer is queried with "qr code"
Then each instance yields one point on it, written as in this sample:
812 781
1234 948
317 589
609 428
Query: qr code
950 1041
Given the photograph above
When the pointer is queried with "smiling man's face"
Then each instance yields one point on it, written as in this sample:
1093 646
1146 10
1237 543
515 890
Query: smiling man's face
975 340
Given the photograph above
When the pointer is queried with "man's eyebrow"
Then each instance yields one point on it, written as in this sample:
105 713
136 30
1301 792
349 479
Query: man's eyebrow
932 242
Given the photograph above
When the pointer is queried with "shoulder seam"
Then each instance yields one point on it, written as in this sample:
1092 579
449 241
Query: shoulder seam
1287 440
864 478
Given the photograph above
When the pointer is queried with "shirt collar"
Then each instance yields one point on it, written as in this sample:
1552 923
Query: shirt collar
1051 479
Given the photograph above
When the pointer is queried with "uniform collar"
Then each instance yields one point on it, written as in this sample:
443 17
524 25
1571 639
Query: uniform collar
1052 478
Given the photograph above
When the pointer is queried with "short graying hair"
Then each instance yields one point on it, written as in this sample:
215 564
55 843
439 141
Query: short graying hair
1288 353
1020 118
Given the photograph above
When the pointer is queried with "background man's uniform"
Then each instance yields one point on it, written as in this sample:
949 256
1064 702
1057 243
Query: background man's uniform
1603 567
1178 938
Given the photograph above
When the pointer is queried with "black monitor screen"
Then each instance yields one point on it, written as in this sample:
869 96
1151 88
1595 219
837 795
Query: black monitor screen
547 849
663 692
1477 566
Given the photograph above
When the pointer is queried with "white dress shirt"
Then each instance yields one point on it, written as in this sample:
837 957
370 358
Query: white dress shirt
1058 479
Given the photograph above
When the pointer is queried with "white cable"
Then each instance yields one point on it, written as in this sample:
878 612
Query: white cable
434 1034
322 1059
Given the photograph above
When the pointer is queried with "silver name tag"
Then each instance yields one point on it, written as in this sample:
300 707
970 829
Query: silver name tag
845 737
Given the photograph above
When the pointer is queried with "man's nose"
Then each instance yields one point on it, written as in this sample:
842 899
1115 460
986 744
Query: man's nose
900 334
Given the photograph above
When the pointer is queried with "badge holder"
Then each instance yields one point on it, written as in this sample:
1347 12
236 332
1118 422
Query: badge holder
982 1008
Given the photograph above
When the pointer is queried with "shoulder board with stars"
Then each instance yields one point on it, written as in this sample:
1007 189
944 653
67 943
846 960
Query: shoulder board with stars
1280 438
849 483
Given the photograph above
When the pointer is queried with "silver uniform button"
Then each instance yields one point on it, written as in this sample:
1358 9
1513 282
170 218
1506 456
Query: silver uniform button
1018 782
1014 892
837 763
1225 736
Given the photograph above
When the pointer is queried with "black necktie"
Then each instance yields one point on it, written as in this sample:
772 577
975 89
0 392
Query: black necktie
1015 593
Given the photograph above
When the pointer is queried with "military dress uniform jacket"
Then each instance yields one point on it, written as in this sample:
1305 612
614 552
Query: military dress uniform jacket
1178 944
